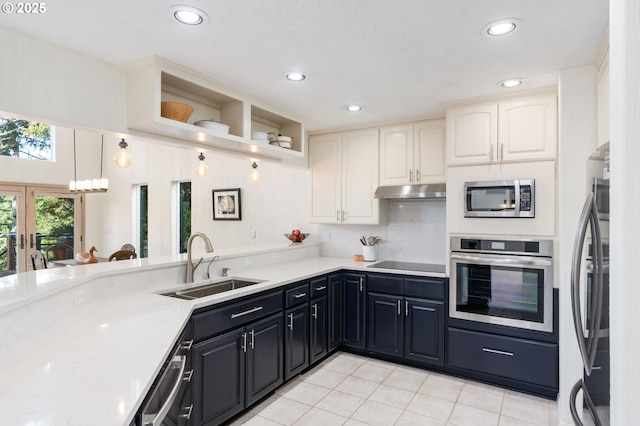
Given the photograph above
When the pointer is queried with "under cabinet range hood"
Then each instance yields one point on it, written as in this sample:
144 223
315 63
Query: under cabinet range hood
432 191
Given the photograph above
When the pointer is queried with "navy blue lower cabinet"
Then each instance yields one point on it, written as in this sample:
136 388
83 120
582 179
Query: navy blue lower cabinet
527 361
264 362
296 342
235 369
215 361
335 311
385 324
424 327
353 331
318 329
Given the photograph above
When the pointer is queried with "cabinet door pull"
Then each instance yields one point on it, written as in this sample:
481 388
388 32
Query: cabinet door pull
315 311
187 376
337 215
496 351
491 153
186 345
250 311
406 308
321 288
410 176
343 214
253 339
399 307
418 175
244 342
21 241
501 152
31 244
187 415
299 295
291 321
361 283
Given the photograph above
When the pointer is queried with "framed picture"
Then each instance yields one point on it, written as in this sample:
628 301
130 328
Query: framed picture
226 204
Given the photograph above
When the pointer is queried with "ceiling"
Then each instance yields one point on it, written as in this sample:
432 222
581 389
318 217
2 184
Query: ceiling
401 59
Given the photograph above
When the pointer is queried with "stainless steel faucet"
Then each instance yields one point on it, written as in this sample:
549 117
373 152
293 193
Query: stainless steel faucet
191 267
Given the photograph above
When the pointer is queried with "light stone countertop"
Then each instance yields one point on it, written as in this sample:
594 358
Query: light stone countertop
93 363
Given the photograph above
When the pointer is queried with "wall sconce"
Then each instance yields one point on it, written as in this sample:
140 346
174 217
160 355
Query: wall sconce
254 176
122 160
87 185
202 169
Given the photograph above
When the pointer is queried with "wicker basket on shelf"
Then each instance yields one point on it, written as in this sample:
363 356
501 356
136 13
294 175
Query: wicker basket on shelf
285 142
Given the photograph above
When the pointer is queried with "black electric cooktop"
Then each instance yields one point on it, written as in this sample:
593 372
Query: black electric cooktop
409 266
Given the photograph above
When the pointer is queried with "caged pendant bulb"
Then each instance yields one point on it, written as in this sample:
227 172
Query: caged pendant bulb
202 169
254 176
122 160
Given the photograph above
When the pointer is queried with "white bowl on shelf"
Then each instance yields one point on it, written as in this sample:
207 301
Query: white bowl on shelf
259 136
212 125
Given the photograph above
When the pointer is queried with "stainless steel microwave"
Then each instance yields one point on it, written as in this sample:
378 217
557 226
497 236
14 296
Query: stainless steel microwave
500 198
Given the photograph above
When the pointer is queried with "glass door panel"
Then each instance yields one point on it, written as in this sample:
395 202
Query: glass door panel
54 223
12 230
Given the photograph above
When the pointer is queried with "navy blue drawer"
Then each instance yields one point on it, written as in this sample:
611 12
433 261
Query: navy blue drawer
387 284
297 295
519 359
318 287
425 288
217 320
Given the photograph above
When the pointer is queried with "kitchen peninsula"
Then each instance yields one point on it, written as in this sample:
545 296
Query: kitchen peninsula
103 331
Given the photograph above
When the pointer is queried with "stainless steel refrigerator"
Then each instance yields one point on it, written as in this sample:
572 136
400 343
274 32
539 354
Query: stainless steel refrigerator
590 295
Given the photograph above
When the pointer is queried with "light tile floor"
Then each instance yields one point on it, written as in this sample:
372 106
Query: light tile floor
347 389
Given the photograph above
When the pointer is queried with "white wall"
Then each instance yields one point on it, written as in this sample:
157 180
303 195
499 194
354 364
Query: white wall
577 140
278 203
625 205
416 232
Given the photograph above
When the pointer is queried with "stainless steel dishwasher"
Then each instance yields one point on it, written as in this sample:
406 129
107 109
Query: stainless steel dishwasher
169 399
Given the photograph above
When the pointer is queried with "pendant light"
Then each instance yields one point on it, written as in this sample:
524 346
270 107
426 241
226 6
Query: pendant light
123 160
202 169
88 185
254 176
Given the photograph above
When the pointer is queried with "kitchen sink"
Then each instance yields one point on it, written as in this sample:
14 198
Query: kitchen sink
212 288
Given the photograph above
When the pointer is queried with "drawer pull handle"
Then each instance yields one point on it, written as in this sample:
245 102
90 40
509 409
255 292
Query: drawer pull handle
250 311
496 351
399 307
321 288
299 295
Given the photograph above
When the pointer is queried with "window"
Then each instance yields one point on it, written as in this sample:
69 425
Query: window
184 214
26 139
143 220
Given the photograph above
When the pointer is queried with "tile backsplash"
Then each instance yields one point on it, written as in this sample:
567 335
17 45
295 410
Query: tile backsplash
416 232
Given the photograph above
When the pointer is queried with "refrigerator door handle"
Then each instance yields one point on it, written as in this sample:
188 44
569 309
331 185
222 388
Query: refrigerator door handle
589 402
587 345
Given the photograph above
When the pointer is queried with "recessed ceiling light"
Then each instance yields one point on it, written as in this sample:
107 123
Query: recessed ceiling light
295 75
501 27
353 108
188 15
512 82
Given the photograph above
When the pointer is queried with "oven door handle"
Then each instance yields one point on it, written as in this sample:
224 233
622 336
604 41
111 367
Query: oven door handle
502 260
156 419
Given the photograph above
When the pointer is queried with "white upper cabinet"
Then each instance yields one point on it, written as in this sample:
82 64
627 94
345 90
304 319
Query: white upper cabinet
519 129
412 153
154 80
344 177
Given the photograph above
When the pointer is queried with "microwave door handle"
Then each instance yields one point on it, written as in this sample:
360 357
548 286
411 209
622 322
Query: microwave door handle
501 260
517 200
166 406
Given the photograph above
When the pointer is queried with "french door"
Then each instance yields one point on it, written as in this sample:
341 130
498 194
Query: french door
37 218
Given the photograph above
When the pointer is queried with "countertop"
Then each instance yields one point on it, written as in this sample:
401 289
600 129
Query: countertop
93 363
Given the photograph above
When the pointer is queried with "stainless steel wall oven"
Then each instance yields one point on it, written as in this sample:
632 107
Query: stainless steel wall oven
502 281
